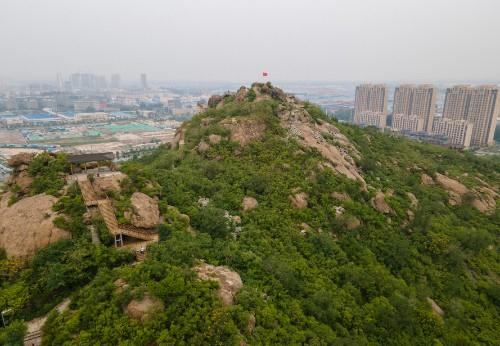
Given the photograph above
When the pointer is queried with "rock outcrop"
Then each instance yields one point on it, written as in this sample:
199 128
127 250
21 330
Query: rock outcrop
435 307
241 94
341 196
27 226
145 212
451 184
214 100
229 281
108 183
20 159
299 200
144 308
22 180
20 176
413 200
249 203
203 147
321 136
214 139
378 203
426 180
352 223
179 138
244 129
484 198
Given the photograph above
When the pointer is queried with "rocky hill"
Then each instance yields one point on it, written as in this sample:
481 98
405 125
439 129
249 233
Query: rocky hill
280 226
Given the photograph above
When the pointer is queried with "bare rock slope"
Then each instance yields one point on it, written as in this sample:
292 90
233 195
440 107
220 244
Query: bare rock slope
229 281
27 226
145 212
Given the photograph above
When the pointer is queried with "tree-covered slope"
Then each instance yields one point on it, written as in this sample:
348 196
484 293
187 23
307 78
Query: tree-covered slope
356 238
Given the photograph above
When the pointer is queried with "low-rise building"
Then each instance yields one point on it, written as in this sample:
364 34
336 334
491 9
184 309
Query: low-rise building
368 118
85 105
459 132
91 116
403 122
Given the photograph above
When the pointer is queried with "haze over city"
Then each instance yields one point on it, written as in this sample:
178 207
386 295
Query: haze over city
227 40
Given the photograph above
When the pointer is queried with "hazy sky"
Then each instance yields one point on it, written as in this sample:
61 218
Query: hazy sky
235 40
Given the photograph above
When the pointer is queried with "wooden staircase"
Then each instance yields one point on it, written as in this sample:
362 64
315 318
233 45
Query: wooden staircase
138 233
139 257
33 338
88 193
108 214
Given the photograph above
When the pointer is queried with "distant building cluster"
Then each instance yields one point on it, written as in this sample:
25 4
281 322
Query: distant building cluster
468 120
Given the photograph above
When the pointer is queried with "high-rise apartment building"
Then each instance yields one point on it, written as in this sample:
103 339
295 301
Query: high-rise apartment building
144 81
370 105
115 81
480 106
484 108
419 100
456 102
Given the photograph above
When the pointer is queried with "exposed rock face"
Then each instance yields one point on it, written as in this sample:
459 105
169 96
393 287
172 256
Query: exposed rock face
268 92
341 196
295 118
145 212
486 200
352 223
244 129
379 203
214 100
20 176
143 309
249 203
241 94
27 225
299 200
206 121
413 200
214 139
455 189
451 185
20 159
426 180
435 307
108 183
251 323
229 281
120 284
179 137
22 179
203 147
203 202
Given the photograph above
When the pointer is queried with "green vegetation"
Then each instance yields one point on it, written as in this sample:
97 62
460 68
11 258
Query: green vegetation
330 285
48 173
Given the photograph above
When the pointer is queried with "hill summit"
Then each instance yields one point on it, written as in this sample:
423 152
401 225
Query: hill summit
280 226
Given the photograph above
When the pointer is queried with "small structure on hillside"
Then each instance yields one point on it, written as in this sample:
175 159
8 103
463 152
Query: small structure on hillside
85 159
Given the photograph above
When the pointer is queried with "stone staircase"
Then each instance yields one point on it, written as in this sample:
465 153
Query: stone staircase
88 193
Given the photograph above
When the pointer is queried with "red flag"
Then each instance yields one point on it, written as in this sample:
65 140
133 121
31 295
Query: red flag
265 74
